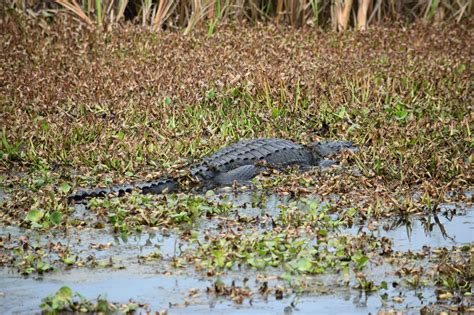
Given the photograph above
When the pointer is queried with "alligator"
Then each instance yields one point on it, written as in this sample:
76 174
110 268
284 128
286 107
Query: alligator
238 162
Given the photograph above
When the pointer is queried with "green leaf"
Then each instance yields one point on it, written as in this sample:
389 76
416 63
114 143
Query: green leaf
45 125
65 188
28 270
219 255
35 215
211 94
287 277
56 304
461 68
194 235
304 265
103 263
400 111
120 135
360 259
42 266
56 217
168 101
276 112
210 193
130 308
65 293
70 260
102 305
35 225
351 212
342 113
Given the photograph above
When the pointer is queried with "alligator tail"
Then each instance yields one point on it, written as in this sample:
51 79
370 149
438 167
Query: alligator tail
153 187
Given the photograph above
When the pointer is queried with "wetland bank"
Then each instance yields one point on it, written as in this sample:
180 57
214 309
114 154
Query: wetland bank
388 229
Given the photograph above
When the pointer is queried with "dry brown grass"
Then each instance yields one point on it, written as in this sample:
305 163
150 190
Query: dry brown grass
341 14
131 98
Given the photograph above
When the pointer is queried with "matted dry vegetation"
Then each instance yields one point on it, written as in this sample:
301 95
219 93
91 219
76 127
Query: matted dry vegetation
71 96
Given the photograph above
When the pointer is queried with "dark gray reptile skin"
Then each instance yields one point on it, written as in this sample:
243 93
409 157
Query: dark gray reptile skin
277 153
240 161
153 187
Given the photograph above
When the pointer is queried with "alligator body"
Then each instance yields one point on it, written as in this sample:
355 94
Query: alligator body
239 162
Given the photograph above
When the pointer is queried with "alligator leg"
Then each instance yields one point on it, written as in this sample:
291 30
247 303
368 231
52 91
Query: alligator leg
243 173
327 163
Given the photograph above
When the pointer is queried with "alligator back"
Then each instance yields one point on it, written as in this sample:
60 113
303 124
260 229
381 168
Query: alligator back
277 153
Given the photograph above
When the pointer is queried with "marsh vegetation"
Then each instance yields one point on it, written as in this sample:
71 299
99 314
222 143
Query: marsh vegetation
83 107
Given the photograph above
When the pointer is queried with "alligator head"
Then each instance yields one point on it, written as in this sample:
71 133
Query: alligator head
324 149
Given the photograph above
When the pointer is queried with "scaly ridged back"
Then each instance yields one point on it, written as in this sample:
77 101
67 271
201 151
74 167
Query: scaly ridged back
276 152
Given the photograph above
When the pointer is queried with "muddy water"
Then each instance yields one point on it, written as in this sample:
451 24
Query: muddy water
163 287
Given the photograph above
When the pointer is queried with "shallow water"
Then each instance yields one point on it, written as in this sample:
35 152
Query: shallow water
163 287
431 230
24 294
435 230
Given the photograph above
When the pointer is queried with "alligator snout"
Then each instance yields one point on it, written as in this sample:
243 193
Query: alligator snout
328 148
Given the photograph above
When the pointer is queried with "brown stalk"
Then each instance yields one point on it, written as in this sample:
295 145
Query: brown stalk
240 9
461 12
362 14
376 11
146 10
182 9
74 7
163 12
343 10
198 12
302 9
293 13
121 9
253 6
279 11
211 14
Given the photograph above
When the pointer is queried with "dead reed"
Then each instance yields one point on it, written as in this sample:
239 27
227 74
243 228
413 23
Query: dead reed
181 14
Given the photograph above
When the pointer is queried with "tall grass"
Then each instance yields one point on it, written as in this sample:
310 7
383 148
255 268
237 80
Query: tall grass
186 14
